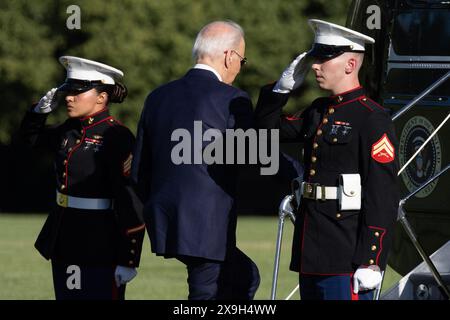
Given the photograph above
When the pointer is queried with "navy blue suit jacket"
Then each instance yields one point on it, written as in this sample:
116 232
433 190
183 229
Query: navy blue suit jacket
189 208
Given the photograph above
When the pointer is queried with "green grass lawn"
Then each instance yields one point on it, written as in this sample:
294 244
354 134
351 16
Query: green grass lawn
24 274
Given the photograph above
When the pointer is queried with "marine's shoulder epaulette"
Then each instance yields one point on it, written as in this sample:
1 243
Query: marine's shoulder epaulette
119 129
116 123
370 104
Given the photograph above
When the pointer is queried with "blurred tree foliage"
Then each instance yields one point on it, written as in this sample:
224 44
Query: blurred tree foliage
150 40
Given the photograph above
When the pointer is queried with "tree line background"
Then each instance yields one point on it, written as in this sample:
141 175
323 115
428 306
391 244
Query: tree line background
151 42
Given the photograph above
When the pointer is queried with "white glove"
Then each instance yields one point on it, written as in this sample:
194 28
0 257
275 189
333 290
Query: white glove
294 75
124 275
45 104
366 278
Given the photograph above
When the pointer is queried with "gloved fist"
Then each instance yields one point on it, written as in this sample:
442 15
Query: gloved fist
123 275
294 75
366 278
45 104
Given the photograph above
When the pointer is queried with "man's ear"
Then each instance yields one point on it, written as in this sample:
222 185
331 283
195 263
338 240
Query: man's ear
351 65
228 59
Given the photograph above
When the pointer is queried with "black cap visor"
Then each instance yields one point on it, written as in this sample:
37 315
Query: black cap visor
325 51
78 86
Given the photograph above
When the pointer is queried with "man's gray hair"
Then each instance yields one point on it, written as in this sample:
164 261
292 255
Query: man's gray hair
215 38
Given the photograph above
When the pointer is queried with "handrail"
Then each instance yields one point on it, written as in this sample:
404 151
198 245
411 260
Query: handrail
425 184
421 95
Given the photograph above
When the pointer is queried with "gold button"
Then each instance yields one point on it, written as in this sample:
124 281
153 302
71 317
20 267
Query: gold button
132 251
371 261
331 110
111 120
334 140
374 248
64 174
315 145
313 159
312 172
70 149
338 215
133 240
377 234
78 141
63 187
364 99
131 262
325 121
319 132
65 162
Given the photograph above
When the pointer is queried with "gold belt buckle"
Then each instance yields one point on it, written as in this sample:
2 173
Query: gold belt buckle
310 190
62 200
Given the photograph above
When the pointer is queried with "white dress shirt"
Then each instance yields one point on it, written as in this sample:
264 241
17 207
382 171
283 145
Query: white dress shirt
209 68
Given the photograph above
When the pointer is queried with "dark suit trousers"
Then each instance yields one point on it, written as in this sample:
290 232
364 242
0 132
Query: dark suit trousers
235 278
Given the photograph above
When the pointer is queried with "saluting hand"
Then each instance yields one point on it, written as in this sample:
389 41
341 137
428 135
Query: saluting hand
294 75
45 104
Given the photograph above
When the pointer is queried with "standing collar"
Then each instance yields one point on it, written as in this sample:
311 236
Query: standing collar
209 68
95 118
347 96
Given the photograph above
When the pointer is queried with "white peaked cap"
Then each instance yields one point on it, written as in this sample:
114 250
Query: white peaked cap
84 69
335 35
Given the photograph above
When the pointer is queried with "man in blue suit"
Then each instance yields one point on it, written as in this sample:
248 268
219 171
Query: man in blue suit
190 205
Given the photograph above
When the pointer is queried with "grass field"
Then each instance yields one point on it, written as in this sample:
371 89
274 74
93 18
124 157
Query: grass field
24 274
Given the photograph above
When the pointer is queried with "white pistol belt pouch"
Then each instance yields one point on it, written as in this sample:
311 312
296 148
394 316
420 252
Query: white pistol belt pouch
349 192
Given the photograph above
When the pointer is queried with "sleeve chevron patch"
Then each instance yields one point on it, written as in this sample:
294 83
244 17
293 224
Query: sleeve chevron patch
383 150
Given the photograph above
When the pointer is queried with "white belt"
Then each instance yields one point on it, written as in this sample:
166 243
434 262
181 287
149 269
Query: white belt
66 201
316 191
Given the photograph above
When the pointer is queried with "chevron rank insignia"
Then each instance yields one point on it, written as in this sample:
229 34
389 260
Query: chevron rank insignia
127 166
383 151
